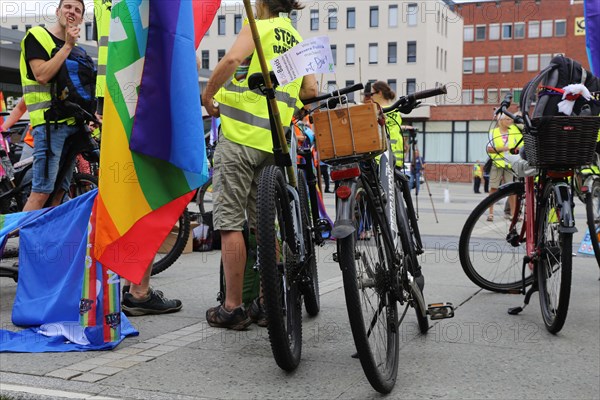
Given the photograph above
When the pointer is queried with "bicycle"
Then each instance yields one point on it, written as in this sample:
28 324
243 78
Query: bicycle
587 188
381 269
533 247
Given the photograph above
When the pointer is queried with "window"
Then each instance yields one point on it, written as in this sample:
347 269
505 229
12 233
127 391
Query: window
411 52
507 31
411 86
492 96
372 53
545 60
221 25
467 96
560 27
517 95
237 23
411 14
478 96
518 63
220 54
334 53
314 20
480 32
437 56
468 33
351 18
14 27
467 65
547 28
505 63
205 59
27 27
533 63
332 19
374 17
392 52
494 32
89 32
393 84
445 57
393 16
350 54
351 94
519 30
479 65
493 65
534 29
294 18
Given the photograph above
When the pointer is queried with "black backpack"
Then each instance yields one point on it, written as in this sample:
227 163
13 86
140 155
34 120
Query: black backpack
73 86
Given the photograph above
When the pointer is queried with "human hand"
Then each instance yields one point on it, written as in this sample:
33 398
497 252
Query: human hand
212 108
71 34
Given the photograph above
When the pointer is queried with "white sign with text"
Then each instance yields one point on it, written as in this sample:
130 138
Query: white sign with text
312 56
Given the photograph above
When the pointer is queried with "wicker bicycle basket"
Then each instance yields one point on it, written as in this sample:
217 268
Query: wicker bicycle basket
561 142
349 133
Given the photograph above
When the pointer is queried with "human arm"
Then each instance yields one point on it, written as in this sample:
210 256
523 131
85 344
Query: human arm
14 115
44 70
241 49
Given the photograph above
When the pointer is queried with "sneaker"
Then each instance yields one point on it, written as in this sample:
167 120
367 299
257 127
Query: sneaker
155 303
236 319
257 313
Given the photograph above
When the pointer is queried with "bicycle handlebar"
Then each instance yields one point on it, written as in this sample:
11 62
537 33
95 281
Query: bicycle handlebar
504 109
411 99
335 93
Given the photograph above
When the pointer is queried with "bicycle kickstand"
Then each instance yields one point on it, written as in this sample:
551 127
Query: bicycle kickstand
532 290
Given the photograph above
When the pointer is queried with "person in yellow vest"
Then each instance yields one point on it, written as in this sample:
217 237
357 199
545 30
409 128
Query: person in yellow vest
477 175
503 139
245 144
37 70
137 299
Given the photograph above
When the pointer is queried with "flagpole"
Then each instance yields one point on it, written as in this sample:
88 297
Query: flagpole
270 90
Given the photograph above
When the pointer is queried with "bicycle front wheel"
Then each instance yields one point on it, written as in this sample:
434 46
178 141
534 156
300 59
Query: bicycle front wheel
277 253
372 308
82 183
555 262
204 198
492 242
592 205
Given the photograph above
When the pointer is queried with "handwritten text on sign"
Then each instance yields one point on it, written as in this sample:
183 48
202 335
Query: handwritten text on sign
309 57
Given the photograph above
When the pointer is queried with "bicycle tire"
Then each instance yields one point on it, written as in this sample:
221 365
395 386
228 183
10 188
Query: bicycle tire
82 183
364 265
488 257
411 264
592 205
555 264
164 261
312 301
277 250
204 199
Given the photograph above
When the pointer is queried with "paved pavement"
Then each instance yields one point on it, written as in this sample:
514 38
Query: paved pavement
482 353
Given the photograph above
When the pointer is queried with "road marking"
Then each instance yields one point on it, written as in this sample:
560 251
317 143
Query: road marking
52 393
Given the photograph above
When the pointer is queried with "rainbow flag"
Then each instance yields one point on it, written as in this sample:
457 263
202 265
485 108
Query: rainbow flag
592 34
153 154
2 107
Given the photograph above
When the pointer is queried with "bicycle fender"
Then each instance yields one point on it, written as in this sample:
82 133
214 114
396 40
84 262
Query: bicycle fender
343 226
563 196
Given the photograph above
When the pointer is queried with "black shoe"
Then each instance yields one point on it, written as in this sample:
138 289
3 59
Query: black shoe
124 289
155 303
257 313
236 319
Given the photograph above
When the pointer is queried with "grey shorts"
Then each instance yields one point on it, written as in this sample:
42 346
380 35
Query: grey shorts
235 182
499 176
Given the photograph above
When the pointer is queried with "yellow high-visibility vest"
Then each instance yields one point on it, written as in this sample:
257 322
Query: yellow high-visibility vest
514 136
102 14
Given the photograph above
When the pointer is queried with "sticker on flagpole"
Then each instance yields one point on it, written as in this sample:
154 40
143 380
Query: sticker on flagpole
312 56
586 244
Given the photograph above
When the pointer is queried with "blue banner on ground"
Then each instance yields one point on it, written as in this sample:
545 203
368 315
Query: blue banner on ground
586 244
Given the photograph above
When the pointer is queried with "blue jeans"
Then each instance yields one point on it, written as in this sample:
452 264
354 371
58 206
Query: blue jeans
415 179
42 182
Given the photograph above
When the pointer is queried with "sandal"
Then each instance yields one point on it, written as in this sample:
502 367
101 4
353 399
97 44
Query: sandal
236 319
490 218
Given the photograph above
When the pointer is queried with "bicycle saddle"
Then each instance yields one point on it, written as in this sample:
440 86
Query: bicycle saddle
257 81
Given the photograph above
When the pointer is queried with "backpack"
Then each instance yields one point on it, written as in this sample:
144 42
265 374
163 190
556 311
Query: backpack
73 86
561 71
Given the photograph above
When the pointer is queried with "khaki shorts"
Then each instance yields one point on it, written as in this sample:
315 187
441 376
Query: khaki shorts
235 182
497 174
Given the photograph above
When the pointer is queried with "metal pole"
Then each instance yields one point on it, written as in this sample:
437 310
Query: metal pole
431 198
270 90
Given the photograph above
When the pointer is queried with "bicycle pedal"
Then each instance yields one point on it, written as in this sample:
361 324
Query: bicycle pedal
515 310
440 310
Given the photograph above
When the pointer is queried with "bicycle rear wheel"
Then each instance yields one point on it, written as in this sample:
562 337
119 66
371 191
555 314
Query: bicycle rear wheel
491 250
178 237
205 197
555 262
82 183
592 205
277 253
372 308
310 281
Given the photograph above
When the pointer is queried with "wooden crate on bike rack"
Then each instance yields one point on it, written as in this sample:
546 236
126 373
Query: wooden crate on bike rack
349 132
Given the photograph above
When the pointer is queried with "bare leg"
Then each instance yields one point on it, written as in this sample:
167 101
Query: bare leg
233 254
36 201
